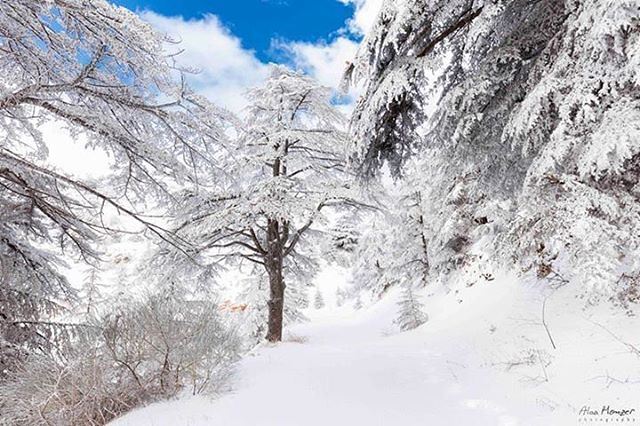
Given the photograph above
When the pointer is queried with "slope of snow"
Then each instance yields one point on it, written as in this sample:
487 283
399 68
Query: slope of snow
484 358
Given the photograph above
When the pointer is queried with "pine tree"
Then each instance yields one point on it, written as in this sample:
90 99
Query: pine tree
409 263
343 241
411 314
318 300
372 258
254 322
357 305
340 296
393 248
522 119
286 169
92 291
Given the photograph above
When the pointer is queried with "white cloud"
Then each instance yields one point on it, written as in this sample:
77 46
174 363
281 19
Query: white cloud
365 15
225 68
325 62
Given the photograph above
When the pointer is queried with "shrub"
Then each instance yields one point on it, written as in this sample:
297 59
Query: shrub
158 348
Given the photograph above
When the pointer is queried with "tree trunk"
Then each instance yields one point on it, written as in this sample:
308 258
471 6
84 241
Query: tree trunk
274 263
276 306
423 240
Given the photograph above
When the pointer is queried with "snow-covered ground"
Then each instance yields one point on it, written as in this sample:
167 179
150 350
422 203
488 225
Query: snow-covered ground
484 358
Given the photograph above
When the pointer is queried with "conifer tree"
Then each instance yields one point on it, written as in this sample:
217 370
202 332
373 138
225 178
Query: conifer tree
286 170
318 300
411 314
523 118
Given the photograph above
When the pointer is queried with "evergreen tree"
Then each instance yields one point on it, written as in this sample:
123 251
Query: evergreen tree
318 300
357 305
411 314
393 248
522 120
287 168
340 296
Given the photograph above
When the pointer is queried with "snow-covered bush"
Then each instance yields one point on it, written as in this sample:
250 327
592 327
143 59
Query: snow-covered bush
171 343
627 293
157 348
85 388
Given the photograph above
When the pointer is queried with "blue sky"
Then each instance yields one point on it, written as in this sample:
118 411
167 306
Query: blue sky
229 44
258 22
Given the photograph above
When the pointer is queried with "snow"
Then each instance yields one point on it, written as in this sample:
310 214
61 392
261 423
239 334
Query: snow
466 366
532 153
347 372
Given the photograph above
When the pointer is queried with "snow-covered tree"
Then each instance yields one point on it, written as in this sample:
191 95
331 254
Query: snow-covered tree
409 247
91 294
340 296
393 247
358 303
411 314
444 62
286 170
318 300
97 70
523 118
343 238
580 125
371 257
255 294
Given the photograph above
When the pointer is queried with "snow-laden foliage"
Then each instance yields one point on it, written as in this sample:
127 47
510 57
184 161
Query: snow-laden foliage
368 273
581 197
97 70
318 300
453 64
524 119
411 310
150 350
393 248
286 169
410 247
342 241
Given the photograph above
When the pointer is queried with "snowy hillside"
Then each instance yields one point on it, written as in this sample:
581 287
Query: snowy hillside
484 358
